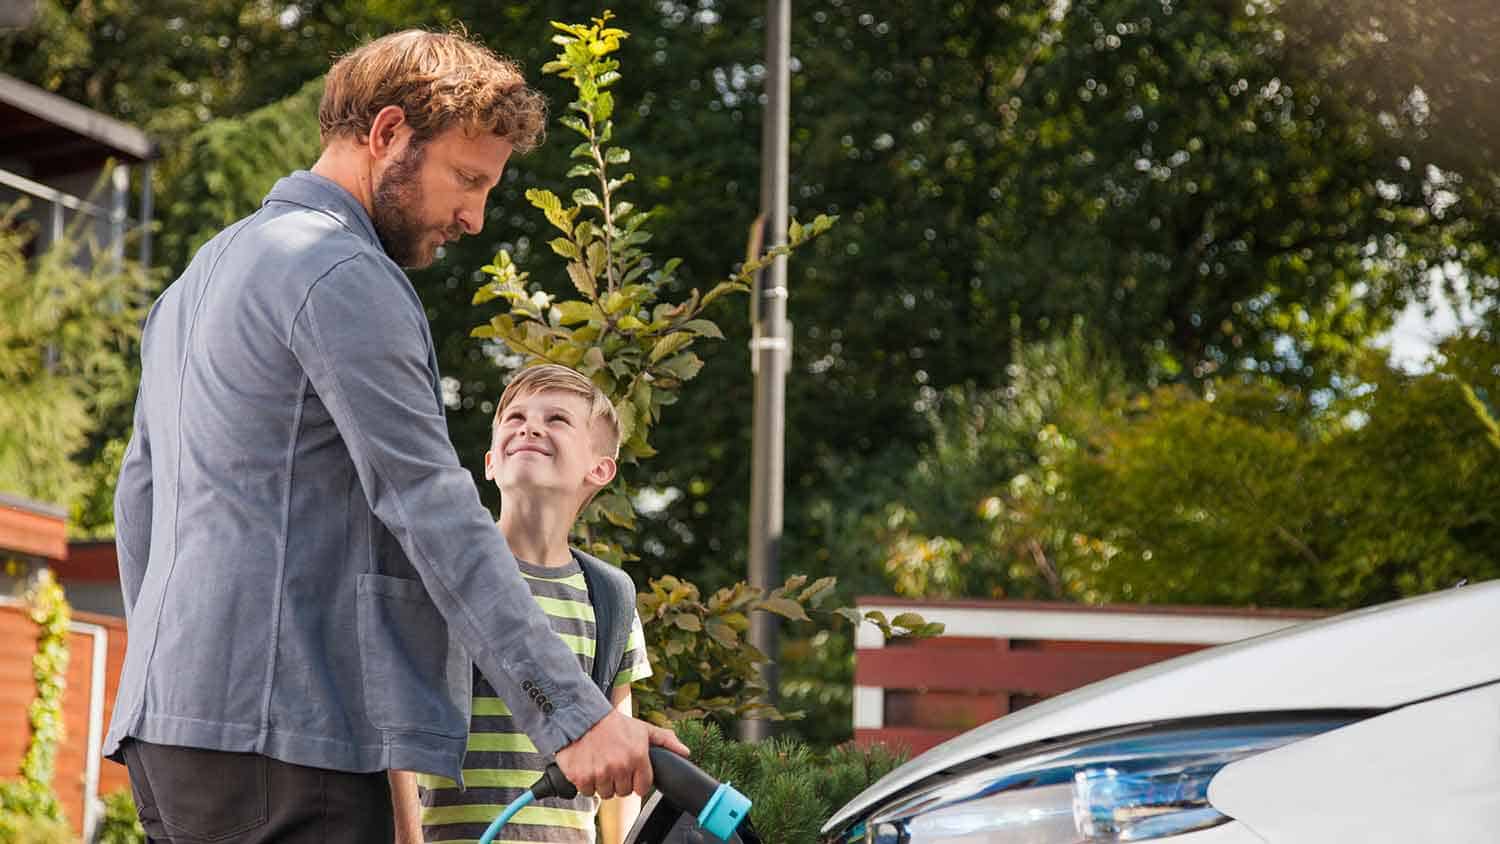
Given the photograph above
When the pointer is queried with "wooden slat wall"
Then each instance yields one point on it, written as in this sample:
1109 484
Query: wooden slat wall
936 689
17 690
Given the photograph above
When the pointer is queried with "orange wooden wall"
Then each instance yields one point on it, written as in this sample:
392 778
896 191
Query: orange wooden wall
18 636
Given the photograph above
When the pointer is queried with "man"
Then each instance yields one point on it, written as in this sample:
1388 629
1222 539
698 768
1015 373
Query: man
307 569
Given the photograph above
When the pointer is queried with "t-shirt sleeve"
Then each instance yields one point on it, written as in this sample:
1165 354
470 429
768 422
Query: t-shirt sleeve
633 664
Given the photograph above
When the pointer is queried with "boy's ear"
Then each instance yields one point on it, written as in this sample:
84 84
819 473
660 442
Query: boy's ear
602 472
489 465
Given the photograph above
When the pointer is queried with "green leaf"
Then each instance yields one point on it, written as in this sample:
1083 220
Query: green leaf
586 197
582 279
593 360
584 169
551 206
670 344
625 411
563 247
689 622
573 312
721 288
598 258
638 447
583 150
784 607
684 366
909 620
604 106
617 510
818 589
617 155
575 124
565 353
703 328
722 633
630 322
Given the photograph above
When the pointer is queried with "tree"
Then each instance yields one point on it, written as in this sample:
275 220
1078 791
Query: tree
70 319
1253 495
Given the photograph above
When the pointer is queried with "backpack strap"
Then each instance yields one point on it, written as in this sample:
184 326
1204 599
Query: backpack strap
612 593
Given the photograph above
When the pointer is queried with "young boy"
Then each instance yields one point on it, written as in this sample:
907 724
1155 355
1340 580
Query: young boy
553 447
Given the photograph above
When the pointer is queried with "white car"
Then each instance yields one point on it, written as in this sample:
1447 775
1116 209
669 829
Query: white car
1380 725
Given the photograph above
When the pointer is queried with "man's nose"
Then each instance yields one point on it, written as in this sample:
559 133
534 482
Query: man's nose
471 217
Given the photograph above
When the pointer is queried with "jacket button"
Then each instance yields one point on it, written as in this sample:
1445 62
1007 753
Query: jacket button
547 708
527 685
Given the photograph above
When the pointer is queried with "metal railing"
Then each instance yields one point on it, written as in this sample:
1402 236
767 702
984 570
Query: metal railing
116 215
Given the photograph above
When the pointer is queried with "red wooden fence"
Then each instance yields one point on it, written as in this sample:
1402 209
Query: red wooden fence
996 657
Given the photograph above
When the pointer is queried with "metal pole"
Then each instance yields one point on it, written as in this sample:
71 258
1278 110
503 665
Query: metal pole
770 349
119 210
148 210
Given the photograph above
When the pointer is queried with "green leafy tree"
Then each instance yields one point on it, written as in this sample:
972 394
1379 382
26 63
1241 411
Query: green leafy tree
222 170
1254 495
69 318
638 350
971 518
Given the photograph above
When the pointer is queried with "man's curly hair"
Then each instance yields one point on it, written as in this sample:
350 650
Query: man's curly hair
439 80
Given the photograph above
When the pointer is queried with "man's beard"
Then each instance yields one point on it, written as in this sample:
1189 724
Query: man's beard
397 203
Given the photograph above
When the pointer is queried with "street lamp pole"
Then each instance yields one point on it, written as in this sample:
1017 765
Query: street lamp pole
770 349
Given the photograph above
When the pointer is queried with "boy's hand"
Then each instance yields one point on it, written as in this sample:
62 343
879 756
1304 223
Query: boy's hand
611 759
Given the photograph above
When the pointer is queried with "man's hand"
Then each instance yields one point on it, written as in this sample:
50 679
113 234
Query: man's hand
611 759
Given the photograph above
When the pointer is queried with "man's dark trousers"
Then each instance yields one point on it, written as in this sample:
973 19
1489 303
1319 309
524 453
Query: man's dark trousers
184 795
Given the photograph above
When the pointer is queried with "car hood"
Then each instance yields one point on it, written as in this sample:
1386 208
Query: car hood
1375 658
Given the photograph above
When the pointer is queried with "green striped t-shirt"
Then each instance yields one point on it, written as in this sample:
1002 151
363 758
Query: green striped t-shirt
501 762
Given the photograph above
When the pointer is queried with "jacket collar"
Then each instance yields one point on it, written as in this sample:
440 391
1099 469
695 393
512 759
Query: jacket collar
318 193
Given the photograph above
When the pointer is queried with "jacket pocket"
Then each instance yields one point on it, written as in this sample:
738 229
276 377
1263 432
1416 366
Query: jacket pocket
414 678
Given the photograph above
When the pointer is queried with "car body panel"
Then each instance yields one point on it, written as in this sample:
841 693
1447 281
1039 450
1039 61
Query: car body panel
1426 772
1372 659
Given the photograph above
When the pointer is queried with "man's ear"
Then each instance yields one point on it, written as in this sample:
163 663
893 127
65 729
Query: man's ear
602 472
384 130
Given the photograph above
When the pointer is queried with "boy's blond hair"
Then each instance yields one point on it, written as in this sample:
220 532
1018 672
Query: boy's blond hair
551 376
439 80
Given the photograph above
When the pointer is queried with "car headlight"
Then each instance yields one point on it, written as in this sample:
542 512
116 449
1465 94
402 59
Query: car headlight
1123 787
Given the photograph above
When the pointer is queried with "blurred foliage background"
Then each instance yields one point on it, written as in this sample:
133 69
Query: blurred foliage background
1106 315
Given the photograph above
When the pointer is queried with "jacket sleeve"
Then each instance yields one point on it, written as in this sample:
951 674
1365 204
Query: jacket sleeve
132 508
362 341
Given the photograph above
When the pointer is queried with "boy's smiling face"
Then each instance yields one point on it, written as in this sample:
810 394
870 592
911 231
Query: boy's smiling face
547 441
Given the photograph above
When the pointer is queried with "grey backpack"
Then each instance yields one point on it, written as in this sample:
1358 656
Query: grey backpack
612 593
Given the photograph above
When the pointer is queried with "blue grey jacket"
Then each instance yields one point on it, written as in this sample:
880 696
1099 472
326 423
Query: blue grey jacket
307 569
